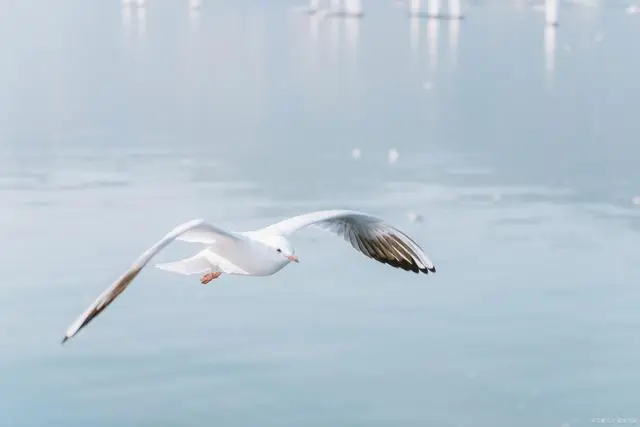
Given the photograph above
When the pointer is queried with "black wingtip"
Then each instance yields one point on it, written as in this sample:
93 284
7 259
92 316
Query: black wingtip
64 340
428 270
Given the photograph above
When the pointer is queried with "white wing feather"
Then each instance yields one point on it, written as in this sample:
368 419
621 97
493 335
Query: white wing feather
367 234
198 228
203 233
196 264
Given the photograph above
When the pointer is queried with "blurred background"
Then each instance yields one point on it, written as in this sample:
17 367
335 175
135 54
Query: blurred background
507 148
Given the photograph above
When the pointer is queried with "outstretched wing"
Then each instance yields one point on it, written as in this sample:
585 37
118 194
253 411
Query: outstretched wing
194 231
366 233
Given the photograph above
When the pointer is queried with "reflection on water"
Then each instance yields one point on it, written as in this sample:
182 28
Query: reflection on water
415 7
414 35
352 32
432 41
314 22
334 38
432 30
126 18
433 8
455 9
550 48
528 209
454 39
551 12
142 20
194 17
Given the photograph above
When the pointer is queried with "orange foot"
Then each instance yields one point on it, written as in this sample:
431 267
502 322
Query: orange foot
209 277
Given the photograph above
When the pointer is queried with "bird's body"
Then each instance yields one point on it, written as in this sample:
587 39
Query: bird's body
266 251
246 256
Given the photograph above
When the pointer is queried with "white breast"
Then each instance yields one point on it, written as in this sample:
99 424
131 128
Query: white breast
252 258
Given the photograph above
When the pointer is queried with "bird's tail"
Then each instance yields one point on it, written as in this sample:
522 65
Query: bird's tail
197 264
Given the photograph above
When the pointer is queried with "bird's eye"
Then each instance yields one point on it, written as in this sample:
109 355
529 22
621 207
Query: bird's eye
279 250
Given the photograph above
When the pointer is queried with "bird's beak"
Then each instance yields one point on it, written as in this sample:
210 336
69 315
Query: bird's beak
293 258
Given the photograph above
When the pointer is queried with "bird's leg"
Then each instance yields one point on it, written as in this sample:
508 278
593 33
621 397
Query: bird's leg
209 277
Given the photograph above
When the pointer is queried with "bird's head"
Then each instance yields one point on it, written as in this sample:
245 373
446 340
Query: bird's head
283 248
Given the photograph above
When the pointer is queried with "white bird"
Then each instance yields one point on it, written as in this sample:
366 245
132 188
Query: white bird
266 251
393 155
414 217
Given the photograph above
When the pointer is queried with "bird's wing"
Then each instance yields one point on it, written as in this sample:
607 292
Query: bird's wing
366 233
192 228
206 234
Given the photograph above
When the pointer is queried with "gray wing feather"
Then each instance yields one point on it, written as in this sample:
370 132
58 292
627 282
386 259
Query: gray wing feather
367 234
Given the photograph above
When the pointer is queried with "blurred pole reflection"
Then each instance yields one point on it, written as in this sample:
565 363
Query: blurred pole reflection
432 42
414 36
126 18
551 12
314 22
352 33
194 17
454 39
334 39
142 21
455 9
433 8
414 7
550 48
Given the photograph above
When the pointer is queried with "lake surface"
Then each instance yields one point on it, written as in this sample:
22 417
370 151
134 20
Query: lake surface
115 127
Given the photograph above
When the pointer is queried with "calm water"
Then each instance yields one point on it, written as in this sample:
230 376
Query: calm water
115 128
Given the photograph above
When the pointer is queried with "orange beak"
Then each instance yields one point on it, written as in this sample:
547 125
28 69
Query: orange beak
293 258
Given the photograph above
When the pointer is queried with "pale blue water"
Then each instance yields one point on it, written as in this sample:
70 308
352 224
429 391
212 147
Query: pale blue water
112 132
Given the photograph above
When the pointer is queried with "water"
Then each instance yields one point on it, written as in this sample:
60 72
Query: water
114 128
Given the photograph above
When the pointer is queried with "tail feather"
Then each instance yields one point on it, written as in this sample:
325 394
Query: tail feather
197 264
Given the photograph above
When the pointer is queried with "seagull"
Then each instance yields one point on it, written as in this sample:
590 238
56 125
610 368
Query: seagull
265 251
